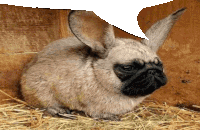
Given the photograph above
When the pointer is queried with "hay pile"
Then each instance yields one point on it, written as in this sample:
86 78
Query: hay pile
147 116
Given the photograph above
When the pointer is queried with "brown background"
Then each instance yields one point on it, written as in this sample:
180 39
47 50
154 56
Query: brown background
25 31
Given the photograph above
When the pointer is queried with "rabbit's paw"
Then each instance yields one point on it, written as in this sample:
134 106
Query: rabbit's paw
57 111
60 112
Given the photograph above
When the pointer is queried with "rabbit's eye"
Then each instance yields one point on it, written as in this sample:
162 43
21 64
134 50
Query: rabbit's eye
127 67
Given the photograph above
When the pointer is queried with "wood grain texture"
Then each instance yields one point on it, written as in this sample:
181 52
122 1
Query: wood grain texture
26 29
64 25
23 32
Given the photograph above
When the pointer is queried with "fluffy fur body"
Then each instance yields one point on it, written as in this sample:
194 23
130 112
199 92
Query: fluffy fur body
78 73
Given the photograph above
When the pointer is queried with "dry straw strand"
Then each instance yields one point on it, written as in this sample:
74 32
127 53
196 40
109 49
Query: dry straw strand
147 116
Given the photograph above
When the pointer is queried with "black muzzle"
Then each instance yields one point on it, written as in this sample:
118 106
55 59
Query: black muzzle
144 79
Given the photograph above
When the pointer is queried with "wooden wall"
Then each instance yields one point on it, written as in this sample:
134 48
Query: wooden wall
25 31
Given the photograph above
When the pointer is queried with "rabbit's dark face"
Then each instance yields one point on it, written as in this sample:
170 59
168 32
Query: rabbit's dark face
140 78
132 69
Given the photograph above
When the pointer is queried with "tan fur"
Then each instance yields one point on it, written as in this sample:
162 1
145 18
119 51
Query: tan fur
67 73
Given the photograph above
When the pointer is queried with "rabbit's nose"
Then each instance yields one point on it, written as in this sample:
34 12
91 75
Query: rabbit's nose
151 72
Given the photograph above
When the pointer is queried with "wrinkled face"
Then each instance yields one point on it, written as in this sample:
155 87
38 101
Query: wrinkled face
132 69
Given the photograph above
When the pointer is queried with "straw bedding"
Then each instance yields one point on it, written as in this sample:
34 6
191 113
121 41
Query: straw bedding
149 115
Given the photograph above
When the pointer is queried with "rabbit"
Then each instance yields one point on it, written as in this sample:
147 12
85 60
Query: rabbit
94 71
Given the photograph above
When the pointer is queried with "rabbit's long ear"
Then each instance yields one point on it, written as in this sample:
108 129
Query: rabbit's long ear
92 30
158 32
